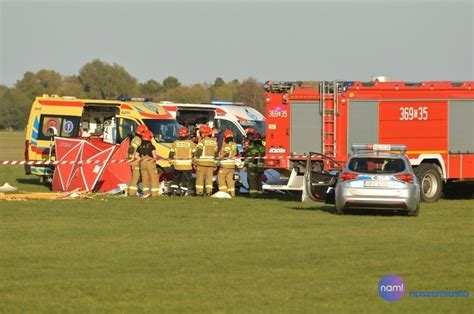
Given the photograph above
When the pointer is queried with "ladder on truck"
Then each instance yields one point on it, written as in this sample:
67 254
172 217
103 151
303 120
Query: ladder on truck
328 102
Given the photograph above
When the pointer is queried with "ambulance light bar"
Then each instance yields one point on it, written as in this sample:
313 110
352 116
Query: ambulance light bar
142 99
226 103
399 148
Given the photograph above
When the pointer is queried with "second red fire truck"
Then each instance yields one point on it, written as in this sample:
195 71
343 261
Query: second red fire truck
433 119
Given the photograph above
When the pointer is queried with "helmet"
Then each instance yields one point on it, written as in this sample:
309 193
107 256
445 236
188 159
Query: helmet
147 135
249 131
183 131
205 130
257 137
141 129
228 133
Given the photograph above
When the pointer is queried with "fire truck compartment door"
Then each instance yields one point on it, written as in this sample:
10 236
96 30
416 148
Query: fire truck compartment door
363 125
461 129
305 127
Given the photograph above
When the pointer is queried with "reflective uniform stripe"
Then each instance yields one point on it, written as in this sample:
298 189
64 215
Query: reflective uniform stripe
228 162
183 162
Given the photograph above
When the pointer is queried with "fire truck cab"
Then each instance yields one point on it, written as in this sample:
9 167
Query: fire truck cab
99 121
433 119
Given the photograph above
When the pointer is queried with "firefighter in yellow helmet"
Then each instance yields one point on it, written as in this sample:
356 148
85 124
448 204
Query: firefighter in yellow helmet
205 159
135 163
181 157
225 177
146 153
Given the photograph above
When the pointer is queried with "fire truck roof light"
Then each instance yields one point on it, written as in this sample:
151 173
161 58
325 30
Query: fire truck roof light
379 148
347 84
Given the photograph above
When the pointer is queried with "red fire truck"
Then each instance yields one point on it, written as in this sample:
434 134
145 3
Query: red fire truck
433 119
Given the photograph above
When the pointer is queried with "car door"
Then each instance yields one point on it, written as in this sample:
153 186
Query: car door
126 128
319 183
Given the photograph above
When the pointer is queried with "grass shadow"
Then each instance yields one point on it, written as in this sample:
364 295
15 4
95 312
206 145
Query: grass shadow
374 212
31 181
286 197
324 208
331 209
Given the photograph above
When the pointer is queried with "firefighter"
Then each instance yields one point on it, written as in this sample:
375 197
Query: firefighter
218 136
255 165
249 134
205 159
146 153
225 177
135 163
181 155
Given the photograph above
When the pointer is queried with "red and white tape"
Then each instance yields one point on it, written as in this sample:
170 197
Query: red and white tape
57 162
113 161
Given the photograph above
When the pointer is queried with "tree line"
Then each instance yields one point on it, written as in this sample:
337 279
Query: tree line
101 80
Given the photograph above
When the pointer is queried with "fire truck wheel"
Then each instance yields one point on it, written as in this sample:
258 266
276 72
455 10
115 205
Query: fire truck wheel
430 182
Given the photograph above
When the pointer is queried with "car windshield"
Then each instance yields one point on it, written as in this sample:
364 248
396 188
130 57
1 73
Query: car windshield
164 130
376 164
257 125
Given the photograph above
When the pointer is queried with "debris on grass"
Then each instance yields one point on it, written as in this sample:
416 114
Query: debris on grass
120 189
46 196
7 188
221 194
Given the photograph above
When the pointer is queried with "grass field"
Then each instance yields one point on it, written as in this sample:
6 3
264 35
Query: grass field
204 255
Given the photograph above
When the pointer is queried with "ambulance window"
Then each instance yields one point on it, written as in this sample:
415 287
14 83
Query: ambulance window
223 125
69 125
126 128
64 126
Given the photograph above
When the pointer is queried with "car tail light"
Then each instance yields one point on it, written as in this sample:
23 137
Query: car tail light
405 177
346 176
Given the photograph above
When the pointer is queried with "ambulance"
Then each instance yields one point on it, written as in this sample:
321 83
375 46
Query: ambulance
103 122
221 114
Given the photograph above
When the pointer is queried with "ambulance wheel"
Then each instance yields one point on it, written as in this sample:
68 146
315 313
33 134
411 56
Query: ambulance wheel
46 180
431 186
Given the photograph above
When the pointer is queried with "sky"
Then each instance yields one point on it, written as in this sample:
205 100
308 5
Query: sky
197 41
